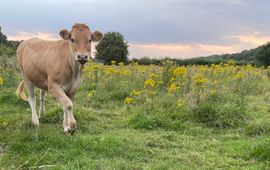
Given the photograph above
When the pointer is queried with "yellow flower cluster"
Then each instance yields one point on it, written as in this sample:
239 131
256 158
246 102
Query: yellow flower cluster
146 82
200 80
128 100
180 102
149 83
239 75
180 71
173 87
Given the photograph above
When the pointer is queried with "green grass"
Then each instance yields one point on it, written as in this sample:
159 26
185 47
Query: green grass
150 135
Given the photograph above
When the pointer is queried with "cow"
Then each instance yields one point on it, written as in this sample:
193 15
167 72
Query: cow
56 67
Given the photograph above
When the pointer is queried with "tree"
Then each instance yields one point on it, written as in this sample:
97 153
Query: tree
3 38
112 47
263 56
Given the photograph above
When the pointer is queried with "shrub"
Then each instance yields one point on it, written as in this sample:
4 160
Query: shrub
220 111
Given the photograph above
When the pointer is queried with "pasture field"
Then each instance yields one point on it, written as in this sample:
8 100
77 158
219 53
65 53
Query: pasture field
144 117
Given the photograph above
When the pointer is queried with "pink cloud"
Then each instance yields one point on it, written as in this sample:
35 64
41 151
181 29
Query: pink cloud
255 38
26 35
179 50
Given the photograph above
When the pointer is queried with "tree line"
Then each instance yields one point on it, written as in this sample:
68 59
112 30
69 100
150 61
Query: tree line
7 47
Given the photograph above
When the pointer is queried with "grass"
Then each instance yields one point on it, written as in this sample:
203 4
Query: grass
149 135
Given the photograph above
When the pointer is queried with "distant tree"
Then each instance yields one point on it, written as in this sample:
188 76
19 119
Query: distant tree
263 56
3 38
112 47
14 44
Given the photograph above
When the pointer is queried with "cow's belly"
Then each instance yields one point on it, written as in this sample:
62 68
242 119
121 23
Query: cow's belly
39 81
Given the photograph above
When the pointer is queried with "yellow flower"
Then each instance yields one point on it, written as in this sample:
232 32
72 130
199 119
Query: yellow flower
153 76
217 68
180 71
110 70
152 93
149 83
212 92
173 87
239 75
124 72
128 100
91 93
5 124
1 80
203 68
121 64
93 67
180 102
113 62
136 93
199 80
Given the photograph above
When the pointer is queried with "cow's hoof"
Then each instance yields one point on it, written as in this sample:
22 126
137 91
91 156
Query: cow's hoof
67 133
71 131
35 122
41 115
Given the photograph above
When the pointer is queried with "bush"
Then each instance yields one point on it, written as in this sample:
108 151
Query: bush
220 111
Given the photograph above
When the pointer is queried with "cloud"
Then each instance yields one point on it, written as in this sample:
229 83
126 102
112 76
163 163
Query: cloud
241 42
27 35
254 39
179 50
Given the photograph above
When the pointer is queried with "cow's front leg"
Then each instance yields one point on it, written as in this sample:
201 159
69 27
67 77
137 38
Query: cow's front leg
65 121
69 123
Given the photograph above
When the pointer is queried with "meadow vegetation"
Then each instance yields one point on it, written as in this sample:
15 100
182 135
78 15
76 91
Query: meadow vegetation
145 117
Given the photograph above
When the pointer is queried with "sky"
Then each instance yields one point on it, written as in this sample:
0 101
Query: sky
154 28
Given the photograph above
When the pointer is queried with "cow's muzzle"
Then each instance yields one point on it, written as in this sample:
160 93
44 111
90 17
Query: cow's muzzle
82 58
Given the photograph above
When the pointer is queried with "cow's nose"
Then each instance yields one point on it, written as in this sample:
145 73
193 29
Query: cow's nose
82 57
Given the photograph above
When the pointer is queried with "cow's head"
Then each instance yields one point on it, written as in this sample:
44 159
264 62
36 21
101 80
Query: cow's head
80 39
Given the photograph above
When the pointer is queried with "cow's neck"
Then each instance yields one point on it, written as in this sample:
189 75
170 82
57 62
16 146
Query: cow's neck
76 68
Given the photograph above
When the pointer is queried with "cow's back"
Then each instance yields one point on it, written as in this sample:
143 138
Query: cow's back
38 59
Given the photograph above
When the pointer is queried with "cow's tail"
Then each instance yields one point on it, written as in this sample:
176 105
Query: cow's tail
20 91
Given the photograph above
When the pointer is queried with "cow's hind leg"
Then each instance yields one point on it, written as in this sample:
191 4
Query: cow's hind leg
41 112
32 102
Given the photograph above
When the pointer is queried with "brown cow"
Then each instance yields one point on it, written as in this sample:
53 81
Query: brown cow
55 66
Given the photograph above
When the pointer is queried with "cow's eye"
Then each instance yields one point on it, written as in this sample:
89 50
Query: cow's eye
90 41
72 40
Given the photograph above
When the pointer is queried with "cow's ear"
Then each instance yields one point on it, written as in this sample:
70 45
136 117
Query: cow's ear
96 36
65 34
